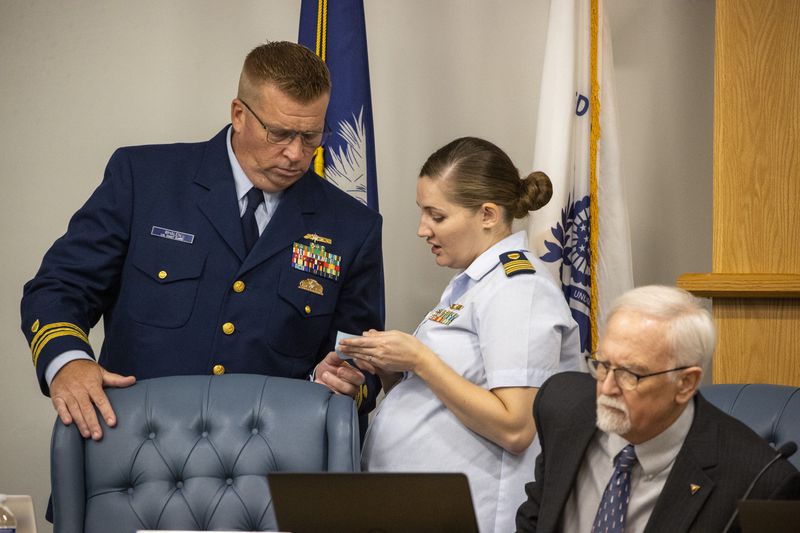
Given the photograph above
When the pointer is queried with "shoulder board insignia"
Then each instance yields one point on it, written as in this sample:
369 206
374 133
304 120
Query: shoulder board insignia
516 263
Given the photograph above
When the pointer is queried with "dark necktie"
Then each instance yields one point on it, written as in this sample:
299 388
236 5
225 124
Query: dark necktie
249 224
614 503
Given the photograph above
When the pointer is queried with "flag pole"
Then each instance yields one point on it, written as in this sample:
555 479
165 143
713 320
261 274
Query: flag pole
322 52
594 218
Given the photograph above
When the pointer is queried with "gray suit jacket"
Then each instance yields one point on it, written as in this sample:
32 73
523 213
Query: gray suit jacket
720 454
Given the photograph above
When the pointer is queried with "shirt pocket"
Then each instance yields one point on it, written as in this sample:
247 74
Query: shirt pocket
300 321
167 279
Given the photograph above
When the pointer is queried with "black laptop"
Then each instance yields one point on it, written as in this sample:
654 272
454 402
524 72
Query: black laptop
773 516
372 502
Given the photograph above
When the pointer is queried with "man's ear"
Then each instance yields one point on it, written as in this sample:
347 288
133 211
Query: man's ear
237 115
490 215
688 382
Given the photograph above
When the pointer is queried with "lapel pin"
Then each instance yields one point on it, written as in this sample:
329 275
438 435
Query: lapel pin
694 488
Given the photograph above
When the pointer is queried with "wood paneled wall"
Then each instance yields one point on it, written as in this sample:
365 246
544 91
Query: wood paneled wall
755 282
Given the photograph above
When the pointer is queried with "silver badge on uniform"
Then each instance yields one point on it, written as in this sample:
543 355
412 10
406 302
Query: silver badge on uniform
172 234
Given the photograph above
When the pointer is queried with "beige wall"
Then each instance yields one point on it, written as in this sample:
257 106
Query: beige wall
80 78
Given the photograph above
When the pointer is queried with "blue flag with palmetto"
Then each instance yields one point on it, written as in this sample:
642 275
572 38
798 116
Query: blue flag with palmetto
336 32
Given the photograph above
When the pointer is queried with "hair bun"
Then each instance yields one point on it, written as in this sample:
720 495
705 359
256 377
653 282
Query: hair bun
535 191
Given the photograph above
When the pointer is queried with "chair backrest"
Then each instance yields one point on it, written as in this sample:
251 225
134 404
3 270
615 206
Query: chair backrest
772 411
192 453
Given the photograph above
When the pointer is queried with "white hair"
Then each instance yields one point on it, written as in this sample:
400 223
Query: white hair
690 332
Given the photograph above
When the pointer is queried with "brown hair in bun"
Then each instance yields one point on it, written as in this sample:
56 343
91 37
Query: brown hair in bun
479 172
535 191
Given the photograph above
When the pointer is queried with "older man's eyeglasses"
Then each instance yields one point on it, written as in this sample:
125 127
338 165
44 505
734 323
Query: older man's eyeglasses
625 378
310 139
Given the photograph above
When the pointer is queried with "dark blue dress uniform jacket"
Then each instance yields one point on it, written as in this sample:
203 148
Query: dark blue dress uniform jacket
174 307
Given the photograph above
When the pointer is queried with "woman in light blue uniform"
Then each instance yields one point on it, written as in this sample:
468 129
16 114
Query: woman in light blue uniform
460 390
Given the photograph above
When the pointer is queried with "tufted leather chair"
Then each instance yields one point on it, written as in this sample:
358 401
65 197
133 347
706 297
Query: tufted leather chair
772 411
192 452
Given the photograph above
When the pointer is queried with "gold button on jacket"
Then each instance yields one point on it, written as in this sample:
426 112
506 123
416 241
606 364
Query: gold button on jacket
228 328
218 370
238 286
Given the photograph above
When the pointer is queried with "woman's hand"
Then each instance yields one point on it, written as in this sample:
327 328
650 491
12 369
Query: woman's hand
392 351
502 415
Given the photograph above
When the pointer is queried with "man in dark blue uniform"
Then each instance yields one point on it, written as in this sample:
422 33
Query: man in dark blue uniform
222 256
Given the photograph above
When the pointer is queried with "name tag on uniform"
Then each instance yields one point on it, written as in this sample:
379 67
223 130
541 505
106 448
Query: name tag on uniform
172 234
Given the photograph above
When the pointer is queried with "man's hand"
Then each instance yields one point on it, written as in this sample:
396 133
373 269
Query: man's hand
77 388
338 375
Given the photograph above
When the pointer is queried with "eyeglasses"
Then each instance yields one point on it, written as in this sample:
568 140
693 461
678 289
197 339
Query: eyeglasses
625 378
310 139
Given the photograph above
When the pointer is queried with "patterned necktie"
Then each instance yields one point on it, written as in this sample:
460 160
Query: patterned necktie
249 225
614 503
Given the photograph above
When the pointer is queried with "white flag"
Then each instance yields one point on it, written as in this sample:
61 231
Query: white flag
583 232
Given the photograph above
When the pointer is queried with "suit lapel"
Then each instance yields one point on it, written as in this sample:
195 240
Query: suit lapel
291 221
563 464
678 505
218 200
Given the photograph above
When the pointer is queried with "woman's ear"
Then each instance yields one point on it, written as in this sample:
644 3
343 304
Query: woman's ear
490 215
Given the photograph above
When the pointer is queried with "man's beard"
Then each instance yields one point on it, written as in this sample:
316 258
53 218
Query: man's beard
612 415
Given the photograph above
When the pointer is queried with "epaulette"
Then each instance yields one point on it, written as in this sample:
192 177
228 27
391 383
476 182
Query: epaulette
516 263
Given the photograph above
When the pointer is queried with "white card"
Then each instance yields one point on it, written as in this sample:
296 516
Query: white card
339 336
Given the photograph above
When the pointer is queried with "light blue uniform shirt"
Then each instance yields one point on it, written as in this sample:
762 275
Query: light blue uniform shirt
505 332
243 184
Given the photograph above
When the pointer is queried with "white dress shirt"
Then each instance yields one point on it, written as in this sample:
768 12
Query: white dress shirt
648 476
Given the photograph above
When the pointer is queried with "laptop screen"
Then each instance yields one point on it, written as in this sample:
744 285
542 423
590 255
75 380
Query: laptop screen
775 516
372 502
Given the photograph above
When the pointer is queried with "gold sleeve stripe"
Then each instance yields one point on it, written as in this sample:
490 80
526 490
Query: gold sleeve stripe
53 331
44 329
